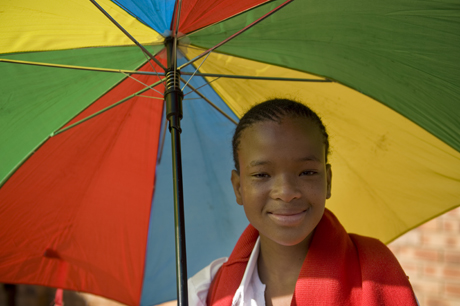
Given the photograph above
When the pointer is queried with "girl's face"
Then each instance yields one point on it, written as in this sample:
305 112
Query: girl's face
284 180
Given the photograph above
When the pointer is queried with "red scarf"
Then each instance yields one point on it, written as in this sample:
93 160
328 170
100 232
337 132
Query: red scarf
339 269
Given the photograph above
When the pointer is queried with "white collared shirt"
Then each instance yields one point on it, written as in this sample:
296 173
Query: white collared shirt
250 292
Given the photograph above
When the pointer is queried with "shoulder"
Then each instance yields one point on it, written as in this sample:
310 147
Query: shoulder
372 249
379 262
198 285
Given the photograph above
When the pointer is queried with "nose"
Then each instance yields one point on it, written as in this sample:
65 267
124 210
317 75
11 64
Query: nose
285 188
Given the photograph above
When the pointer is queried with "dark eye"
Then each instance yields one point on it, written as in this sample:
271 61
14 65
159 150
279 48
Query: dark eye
308 172
261 175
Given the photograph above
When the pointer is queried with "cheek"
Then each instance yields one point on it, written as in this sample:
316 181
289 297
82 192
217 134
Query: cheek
316 192
247 195
253 195
254 189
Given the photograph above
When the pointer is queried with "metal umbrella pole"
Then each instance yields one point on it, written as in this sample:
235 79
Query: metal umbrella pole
173 100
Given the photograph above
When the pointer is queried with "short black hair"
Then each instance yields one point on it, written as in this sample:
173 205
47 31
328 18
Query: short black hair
275 110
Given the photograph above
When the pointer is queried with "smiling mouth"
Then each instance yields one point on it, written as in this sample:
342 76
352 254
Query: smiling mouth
287 219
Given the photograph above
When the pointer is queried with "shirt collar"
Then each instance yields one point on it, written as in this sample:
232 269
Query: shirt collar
238 298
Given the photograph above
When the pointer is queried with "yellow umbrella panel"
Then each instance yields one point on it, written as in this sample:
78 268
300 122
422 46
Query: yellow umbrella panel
54 25
389 174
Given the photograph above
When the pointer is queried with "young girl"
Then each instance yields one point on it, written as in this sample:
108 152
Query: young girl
294 252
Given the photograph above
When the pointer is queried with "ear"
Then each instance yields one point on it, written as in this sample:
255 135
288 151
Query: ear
236 186
329 180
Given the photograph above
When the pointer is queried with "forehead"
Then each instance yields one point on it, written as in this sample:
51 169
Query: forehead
292 138
300 128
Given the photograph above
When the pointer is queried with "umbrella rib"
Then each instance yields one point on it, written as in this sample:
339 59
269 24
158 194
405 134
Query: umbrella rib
196 71
208 83
148 61
131 77
127 34
247 77
151 65
105 109
179 8
79 67
150 97
236 34
212 104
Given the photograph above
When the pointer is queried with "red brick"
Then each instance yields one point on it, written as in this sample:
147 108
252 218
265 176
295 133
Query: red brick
433 239
410 238
426 240
432 225
452 257
452 241
424 288
452 290
451 225
412 270
451 272
427 254
453 213
440 240
434 301
406 252
431 270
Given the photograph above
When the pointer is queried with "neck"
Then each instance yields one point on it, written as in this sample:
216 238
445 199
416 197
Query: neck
279 267
279 261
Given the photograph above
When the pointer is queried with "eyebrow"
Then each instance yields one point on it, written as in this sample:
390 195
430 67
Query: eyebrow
256 163
310 158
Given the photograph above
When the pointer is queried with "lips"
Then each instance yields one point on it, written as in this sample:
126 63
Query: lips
287 218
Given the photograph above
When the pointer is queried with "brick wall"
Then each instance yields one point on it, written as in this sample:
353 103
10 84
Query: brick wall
430 255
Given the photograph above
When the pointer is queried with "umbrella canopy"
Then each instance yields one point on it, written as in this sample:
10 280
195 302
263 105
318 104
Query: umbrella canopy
90 209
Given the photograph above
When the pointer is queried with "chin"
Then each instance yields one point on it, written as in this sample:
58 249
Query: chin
290 241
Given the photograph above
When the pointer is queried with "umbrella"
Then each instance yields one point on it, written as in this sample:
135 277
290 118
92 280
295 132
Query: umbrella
90 208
